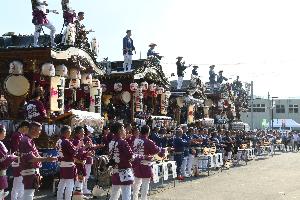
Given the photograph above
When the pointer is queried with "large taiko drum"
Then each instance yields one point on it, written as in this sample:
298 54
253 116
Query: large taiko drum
16 85
49 168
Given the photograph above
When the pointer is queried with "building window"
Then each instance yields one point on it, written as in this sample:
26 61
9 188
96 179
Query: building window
259 108
280 109
293 109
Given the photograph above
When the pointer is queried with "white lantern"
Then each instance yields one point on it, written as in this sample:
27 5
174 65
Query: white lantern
96 83
134 87
61 70
103 87
160 90
86 79
168 94
16 67
48 69
152 87
74 83
144 85
118 87
74 74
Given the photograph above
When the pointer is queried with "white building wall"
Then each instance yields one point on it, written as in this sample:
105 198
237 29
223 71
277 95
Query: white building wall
259 116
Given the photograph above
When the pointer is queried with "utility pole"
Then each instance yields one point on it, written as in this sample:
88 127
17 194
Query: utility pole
252 105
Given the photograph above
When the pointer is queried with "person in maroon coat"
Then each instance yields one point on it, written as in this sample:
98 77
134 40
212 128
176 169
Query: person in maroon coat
144 149
67 165
135 135
35 109
31 161
18 186
5 161
80 158
121 154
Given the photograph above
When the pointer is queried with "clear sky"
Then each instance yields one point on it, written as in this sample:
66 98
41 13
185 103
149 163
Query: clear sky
258 39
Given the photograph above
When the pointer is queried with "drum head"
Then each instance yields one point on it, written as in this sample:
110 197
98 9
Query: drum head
17 85
125 97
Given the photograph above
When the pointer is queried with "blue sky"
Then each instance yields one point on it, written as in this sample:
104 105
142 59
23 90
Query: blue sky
258 40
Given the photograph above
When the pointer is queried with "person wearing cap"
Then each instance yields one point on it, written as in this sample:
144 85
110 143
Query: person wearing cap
39 13
144 150
180 71
151 51
179 145
31 161
5 161
188 157
221 78
18 186
67 165
212 74
128 48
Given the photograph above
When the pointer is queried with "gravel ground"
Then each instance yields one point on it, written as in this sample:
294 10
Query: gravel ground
273 178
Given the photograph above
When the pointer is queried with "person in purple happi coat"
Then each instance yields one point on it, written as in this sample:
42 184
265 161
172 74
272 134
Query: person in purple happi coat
67 165
121 154
5 161
144 149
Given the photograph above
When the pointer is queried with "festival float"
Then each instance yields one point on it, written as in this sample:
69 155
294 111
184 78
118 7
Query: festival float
140 95
187 104
66 75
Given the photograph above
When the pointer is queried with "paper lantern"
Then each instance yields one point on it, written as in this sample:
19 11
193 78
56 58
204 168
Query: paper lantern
103 87
86 79
118 87
61 70
96 83
48 69
152 87
144 85
16 67
74 83
74 74
160 90
134 87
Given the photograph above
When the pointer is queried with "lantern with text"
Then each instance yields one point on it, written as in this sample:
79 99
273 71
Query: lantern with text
164 102
95 96
57 87
139 100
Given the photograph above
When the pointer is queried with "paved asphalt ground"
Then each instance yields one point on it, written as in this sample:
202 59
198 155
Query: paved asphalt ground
273 178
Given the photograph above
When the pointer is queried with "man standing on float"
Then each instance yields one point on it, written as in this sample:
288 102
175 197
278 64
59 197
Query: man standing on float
128 48
39 13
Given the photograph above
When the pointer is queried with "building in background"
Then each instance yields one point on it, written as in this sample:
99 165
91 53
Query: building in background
285 113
